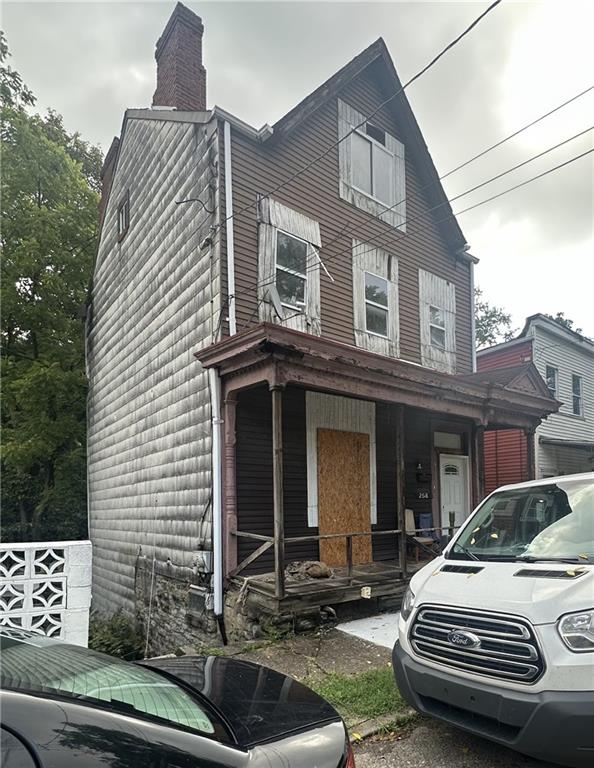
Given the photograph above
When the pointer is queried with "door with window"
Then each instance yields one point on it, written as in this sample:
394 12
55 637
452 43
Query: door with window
454 488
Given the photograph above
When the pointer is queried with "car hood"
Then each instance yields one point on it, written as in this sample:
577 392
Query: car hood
542 598
258 703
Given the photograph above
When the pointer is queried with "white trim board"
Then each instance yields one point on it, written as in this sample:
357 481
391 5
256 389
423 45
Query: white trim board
345 414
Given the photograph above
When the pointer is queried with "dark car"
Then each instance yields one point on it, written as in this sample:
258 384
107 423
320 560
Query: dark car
68 707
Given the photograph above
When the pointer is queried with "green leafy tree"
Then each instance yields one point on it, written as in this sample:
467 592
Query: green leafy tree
49 236
492 324
560 319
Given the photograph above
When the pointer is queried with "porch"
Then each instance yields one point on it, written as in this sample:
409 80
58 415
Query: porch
328 449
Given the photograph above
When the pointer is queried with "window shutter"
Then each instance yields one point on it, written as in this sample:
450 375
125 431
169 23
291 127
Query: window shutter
437 292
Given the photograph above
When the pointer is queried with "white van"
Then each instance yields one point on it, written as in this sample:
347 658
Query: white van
496 635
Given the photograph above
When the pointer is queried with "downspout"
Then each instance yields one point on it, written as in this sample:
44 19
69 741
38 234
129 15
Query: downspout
229 230
472 317
217 532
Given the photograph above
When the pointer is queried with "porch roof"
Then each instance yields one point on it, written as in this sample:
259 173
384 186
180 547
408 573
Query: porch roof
282 356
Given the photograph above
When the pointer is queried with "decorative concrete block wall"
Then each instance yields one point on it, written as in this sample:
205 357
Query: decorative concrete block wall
46 587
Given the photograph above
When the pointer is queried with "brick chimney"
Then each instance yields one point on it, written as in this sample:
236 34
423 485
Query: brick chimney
181 78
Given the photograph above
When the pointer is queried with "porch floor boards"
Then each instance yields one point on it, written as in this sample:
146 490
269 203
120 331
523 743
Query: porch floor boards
384 579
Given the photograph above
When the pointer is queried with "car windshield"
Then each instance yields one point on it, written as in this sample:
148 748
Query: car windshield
40 665
553 521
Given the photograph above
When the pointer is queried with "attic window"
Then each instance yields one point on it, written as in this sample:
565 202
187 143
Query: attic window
375 133
123 217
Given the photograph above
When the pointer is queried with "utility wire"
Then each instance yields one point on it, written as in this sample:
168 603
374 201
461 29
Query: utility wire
383 235
377 217
333 146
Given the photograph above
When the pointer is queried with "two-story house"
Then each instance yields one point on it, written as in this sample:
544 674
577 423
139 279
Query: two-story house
564 443
280 351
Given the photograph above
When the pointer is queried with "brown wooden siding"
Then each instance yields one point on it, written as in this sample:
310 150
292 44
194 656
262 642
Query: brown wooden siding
257 168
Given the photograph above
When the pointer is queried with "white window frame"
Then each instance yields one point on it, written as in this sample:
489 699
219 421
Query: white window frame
303 276
438 293
554 368
379 147
395 216
385 308
580 397
273 217
123 217
442 328
374 261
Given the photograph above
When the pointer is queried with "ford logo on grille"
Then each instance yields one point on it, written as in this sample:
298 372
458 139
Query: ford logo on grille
464 639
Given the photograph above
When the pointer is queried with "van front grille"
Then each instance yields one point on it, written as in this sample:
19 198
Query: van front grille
491 644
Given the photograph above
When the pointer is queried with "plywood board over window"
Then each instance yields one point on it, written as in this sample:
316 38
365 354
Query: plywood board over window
343 414
288 260
343 494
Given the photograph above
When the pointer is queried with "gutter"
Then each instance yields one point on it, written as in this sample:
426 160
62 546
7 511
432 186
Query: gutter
472 317
217 532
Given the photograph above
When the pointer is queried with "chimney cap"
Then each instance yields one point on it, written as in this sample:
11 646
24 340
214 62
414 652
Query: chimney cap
182 15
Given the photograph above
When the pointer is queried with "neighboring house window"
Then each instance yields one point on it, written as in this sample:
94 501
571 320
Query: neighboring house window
123 217
288 261
437 316
375 299
372 168
551 375
576 391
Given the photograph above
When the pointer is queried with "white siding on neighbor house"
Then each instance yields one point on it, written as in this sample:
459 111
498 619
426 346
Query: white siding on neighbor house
155 301
556 350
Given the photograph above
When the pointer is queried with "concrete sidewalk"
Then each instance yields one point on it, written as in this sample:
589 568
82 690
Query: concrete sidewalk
380 630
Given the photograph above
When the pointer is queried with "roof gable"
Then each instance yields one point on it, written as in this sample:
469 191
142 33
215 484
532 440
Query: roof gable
377 60
518 378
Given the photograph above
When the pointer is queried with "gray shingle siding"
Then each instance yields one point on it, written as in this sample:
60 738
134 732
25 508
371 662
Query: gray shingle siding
155 300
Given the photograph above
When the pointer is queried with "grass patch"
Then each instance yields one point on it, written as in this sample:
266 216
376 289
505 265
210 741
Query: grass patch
370 694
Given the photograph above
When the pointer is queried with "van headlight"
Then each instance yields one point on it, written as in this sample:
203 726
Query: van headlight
577 631
408 603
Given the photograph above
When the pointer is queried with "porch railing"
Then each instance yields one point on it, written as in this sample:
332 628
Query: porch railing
279 565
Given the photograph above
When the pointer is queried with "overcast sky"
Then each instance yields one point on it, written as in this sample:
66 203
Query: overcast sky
90 61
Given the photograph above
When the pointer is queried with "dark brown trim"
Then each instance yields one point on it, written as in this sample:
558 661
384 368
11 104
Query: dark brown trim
277 484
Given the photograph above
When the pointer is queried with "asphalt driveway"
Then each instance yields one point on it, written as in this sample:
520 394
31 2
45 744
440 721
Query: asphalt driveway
435 745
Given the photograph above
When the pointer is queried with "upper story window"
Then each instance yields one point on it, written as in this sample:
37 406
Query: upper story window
372 168
289 261
291 270
576 392
551 378
376 304
437 318
123 217
437 327
375 299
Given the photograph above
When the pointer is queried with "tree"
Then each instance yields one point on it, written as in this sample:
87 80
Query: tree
492 324
564 321
49 237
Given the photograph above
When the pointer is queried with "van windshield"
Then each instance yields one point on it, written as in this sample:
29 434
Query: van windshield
554 521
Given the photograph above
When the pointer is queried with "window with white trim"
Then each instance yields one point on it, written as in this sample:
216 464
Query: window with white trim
123 217
375 299
291 270
376 304
551 377
576 395
437 318
437 327
288 265
372 167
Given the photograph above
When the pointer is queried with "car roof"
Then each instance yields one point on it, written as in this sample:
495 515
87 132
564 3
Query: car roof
582 477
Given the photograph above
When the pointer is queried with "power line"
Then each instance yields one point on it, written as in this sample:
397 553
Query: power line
333 146
377 217
260 283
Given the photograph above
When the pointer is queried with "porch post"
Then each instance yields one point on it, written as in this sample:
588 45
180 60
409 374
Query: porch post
400 497
479 463
530 453
229 482
277 484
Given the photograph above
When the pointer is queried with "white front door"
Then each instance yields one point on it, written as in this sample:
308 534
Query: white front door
454 488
